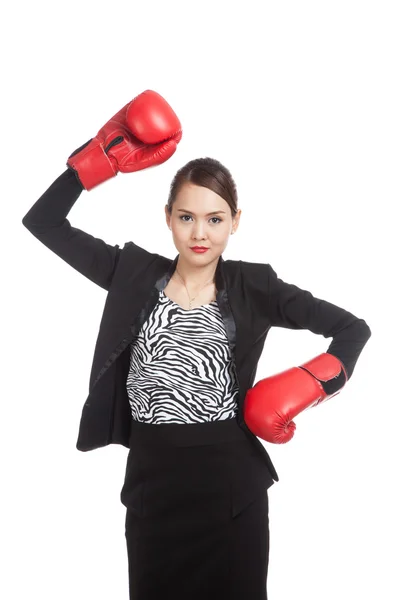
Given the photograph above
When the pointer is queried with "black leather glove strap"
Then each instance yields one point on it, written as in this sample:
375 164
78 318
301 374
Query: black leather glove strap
80 148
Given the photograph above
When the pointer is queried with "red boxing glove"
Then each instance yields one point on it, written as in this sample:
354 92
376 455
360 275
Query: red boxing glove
143 134
271 405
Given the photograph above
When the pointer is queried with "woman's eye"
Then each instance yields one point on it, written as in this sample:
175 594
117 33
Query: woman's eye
184 216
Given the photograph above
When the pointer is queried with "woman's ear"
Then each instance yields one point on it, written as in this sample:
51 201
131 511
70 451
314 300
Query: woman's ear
167 215
236 221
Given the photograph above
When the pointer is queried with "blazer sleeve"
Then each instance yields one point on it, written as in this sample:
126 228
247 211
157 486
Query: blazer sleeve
292 307
47 221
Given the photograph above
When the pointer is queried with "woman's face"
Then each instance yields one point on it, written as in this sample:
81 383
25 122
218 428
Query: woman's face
192 225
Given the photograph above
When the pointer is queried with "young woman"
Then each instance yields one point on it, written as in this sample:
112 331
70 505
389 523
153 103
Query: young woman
175 361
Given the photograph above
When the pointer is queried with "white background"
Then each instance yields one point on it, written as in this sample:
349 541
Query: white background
300 100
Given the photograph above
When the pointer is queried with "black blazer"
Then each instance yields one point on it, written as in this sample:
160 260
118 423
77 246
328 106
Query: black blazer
250 296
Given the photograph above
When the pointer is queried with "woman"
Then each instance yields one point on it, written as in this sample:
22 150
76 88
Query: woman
175 358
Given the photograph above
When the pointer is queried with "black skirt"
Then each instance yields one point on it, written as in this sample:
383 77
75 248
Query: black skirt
197 522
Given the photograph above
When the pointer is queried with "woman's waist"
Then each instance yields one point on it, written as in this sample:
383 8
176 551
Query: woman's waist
186 434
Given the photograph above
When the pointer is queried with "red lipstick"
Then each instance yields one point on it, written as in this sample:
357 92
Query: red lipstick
199 249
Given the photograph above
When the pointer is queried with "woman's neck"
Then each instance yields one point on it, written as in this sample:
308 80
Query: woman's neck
195 276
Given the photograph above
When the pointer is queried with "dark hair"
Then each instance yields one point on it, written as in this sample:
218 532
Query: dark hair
209 173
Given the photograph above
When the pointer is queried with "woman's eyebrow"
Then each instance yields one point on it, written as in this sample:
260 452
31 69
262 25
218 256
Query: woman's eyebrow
215 212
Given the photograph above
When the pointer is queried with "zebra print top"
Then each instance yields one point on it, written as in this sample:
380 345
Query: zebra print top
181 366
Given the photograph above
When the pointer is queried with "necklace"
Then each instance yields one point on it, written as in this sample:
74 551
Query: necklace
191 300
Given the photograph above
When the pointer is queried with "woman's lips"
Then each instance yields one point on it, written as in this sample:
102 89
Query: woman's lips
199 250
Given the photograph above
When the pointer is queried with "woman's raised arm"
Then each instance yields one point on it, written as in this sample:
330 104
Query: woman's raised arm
143 134
47 221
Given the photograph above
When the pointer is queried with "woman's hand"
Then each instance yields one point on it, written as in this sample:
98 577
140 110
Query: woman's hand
272 404
143 134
